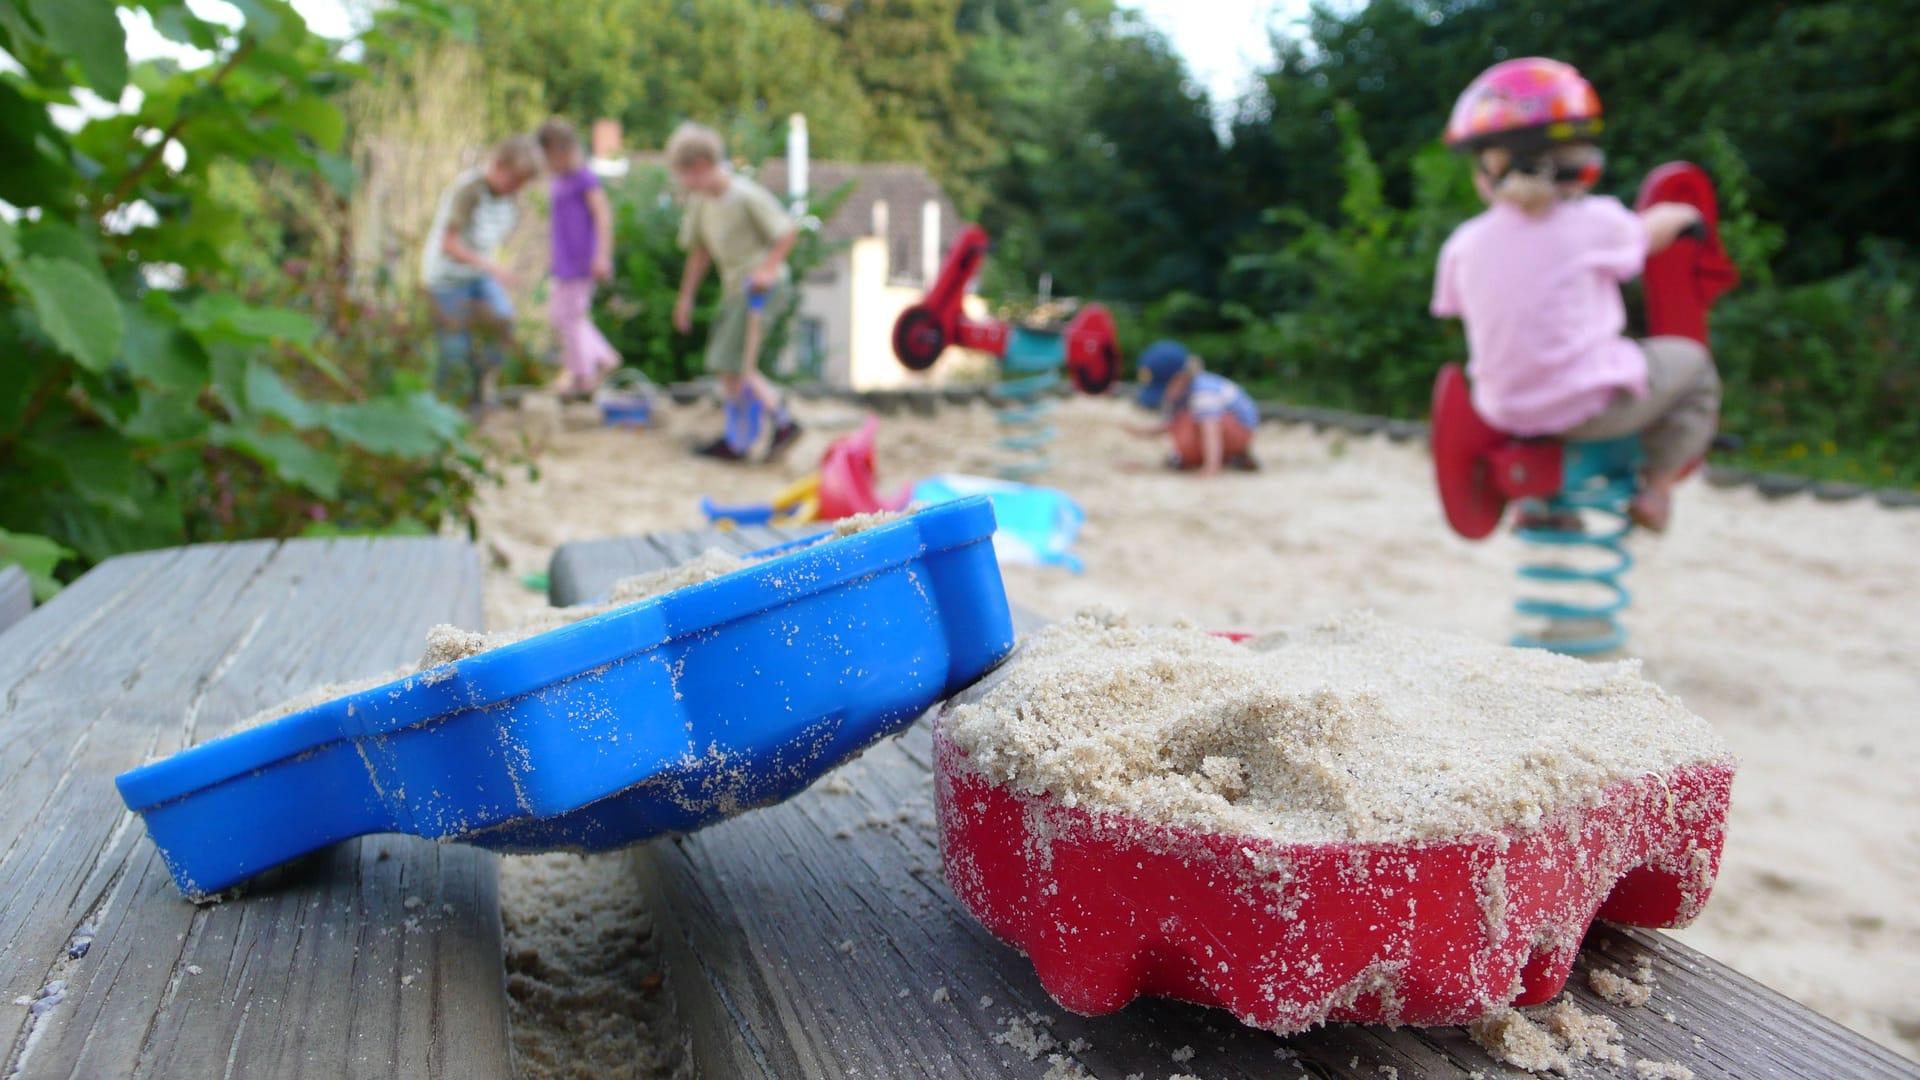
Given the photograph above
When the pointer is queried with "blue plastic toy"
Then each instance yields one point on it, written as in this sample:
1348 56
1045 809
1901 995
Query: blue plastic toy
1038 525
662 716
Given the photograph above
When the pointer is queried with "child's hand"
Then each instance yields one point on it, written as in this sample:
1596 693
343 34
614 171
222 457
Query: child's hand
1666 221
683 315
602 268
504 276
762 279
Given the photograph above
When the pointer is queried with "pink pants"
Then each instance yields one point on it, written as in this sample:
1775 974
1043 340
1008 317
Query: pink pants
582 348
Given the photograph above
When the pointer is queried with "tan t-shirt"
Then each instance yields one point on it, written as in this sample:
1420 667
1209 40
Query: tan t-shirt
737 228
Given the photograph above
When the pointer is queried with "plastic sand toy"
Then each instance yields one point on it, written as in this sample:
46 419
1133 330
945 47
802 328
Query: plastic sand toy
1286 935
842 487
658 717
627 399
1038 525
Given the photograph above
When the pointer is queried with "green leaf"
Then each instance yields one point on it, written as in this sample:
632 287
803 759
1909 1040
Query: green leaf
37 555
159 353
9 243
88 31
415 427
316 118
56 239
290 458
218 317
268 394
76 308
164 417
99 468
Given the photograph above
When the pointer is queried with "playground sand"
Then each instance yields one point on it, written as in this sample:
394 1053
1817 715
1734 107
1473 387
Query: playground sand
1786 624
1355 730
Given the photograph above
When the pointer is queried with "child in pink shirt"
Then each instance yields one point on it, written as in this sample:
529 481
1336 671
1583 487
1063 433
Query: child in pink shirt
1536 280
582 257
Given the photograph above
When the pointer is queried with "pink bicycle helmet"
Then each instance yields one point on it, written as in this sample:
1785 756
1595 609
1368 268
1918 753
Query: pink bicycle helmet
1527 105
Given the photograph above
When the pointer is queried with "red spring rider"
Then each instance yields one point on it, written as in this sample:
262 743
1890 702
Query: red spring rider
1557 406
1086 344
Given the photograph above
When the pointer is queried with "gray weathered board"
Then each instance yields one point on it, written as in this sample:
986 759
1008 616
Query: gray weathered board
323 970
809 939
16 595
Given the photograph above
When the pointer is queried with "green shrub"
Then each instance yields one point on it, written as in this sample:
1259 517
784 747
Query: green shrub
168 378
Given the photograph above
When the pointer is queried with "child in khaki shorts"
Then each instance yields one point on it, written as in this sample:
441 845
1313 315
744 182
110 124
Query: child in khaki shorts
737 225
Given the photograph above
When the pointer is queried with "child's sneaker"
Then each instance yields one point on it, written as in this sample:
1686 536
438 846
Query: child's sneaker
784 435
720 450
1243 463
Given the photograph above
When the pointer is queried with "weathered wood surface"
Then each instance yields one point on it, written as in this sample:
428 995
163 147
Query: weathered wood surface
810 939
323 970
16 596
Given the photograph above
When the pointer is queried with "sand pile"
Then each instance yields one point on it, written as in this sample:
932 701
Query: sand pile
1356 730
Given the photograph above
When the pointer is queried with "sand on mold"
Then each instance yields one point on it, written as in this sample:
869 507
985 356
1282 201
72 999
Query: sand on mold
1788 625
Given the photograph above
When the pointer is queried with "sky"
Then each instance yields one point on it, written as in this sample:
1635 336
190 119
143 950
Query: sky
1224 42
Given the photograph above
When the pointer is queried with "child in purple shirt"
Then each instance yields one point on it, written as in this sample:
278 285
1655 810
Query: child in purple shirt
582 257
1536 280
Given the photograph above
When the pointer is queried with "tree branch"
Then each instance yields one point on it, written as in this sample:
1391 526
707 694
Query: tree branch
124 190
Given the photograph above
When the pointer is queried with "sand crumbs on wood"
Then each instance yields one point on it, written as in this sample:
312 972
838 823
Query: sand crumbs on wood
1355 730
1554 1039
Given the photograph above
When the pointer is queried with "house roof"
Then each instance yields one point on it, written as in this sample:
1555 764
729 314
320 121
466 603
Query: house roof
904 187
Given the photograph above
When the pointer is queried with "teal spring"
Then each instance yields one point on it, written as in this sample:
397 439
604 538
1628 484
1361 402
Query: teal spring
1578 554
1024 412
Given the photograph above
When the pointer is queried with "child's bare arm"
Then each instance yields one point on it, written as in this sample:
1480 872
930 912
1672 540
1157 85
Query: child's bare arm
456 249
602 211
698 262
768 271
1665 222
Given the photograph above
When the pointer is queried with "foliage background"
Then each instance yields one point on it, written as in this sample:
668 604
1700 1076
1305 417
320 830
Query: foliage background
212 325
182 360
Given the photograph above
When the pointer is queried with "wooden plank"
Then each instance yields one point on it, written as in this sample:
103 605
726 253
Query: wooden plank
810 939
323 968
584 571
16 596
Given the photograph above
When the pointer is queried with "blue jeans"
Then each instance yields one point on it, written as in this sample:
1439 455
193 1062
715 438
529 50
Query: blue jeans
458 307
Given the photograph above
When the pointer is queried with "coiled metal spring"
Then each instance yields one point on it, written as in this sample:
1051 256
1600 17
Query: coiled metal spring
1579 550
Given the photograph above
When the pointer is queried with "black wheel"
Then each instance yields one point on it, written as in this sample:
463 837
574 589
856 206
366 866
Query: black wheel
1096 377
918 338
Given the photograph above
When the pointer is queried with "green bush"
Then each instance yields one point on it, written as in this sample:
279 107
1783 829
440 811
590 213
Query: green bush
163 383
1341 314
1824 378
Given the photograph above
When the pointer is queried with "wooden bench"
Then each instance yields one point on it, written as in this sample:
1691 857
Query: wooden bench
16 595
816 938
330 967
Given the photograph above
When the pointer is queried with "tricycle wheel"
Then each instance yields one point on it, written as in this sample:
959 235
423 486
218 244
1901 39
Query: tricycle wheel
918 338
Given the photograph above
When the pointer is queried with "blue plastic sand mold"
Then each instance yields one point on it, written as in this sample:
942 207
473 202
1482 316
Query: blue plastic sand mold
657 717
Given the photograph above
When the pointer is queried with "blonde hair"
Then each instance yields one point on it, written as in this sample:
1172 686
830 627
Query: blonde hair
518 155
1529 184
556 135
691 143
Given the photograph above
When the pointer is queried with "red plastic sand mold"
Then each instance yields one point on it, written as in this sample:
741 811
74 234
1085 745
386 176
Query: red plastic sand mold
1289 935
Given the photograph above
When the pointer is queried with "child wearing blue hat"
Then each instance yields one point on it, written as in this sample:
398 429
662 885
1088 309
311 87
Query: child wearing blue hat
1210 419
